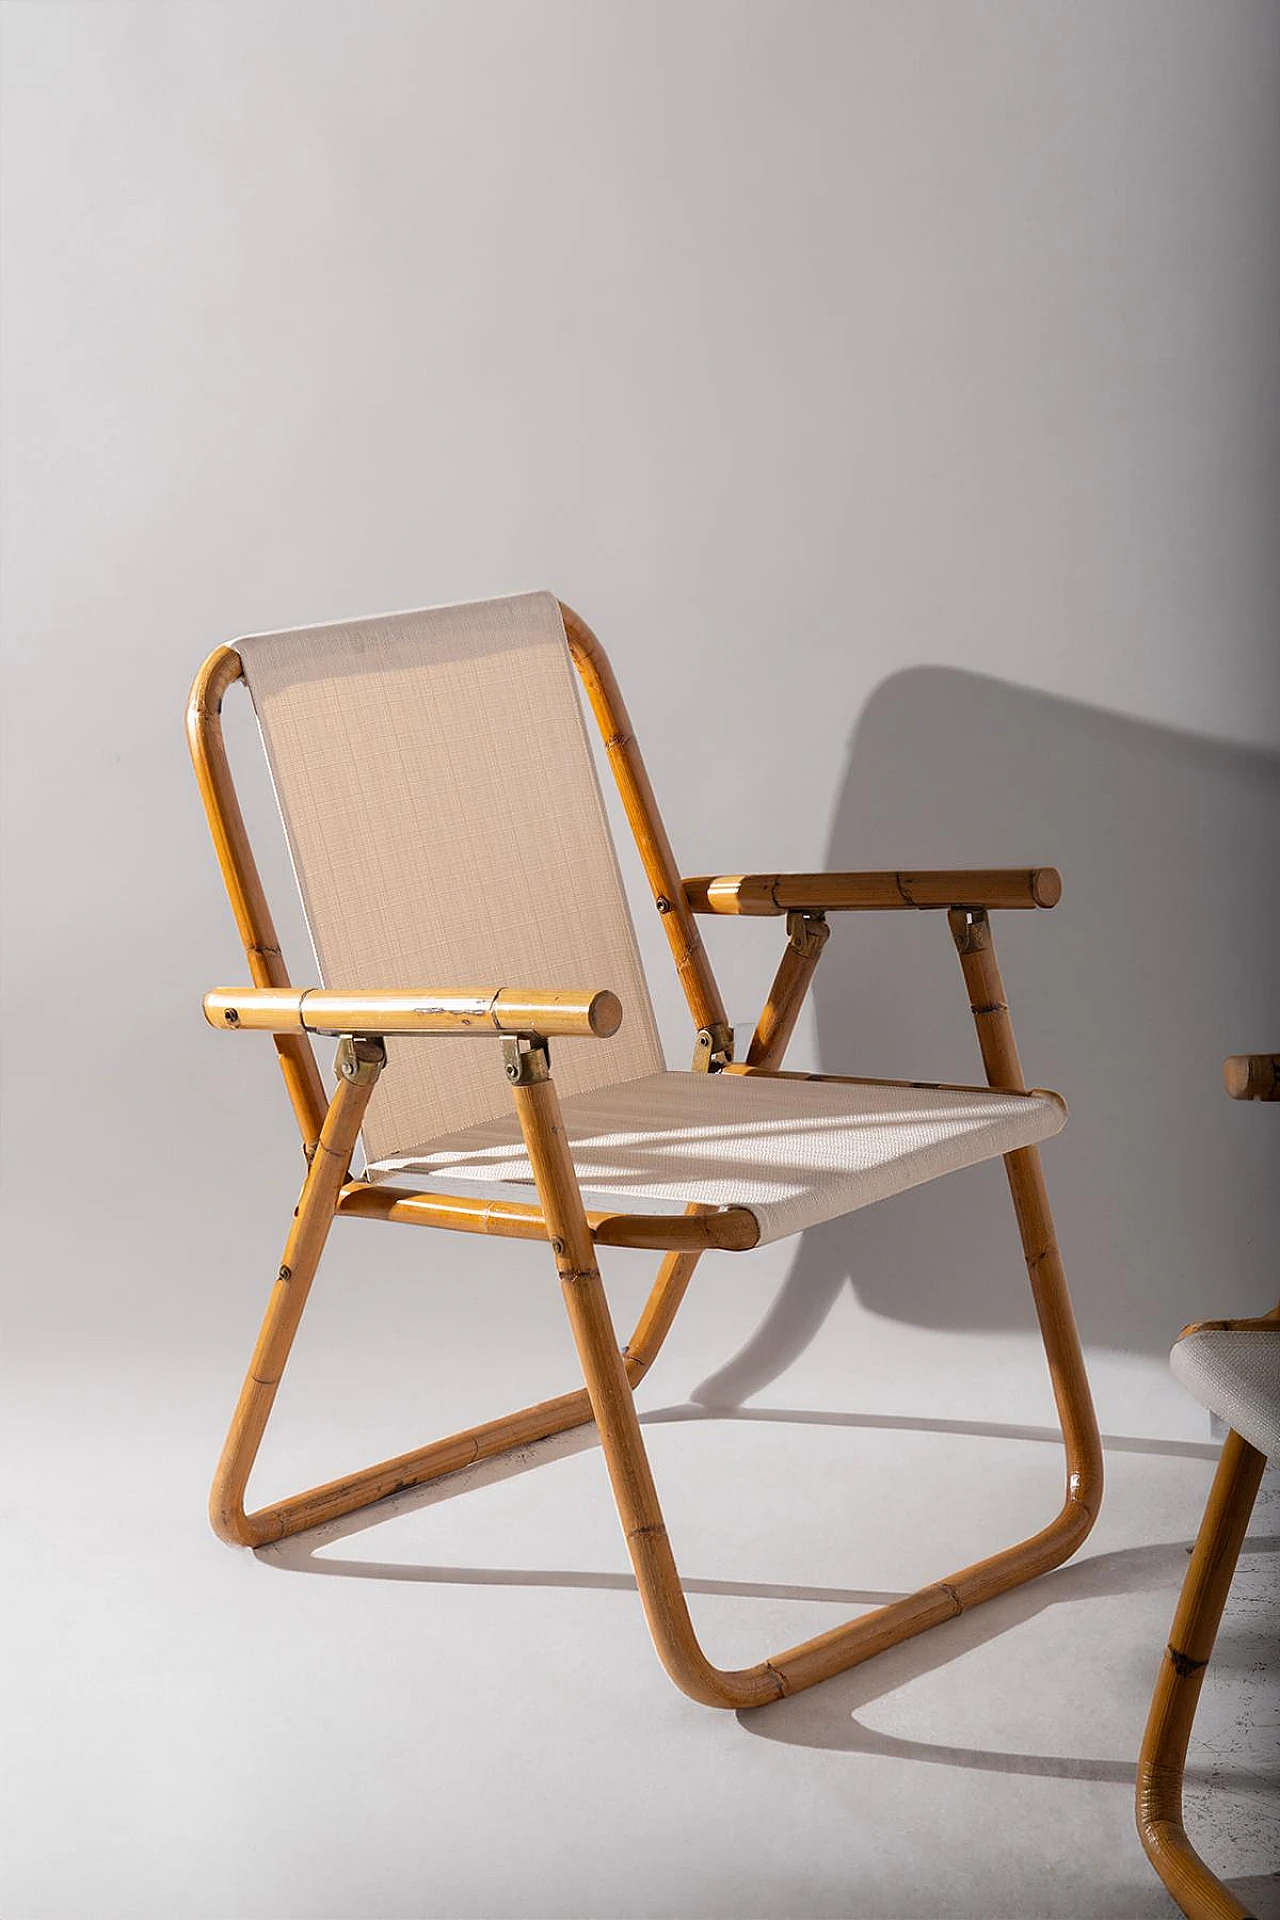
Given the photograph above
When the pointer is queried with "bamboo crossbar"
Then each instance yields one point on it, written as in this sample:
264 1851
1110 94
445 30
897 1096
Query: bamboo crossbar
1252 1076
470 1010
732 1229
775 893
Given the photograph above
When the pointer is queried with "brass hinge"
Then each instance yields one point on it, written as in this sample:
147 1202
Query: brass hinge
969 929
713 1049
526 1058
361 1060
807 933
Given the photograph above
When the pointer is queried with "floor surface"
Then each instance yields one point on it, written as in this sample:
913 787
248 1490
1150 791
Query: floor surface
455 1711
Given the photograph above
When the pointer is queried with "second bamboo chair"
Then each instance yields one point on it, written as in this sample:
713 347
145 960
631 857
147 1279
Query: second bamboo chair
1232 1367
446 827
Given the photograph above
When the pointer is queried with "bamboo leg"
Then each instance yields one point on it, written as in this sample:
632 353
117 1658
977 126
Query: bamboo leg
637 1501
610 1375
972 935
520 1429
330 1165
660 1309
335 1498
1177 1691
807 935
614 1409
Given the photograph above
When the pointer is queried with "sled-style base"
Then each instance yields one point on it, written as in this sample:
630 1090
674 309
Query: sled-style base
610 1373
775 1678
1198 1892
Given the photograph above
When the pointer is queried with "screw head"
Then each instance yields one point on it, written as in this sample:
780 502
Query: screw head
557 1246
231 1017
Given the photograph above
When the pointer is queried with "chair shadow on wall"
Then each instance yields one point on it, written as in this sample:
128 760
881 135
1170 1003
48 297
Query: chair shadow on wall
1159 961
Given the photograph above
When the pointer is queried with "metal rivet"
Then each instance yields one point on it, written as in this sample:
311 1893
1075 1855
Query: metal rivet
557 1246
285 1273
662 903
231 1017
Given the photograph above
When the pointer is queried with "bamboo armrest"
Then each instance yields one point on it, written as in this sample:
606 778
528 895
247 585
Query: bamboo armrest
1258 1323
511 1010
775 893
1252 1076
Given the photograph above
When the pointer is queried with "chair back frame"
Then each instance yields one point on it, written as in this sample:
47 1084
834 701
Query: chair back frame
252 910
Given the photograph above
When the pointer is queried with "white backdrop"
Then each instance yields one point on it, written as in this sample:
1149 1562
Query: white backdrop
799 347
894 388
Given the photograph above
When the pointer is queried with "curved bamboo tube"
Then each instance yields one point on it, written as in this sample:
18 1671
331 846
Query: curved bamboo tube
244 886
637 1501
321 1193
326 1175
641 807
1197 1891
355 1491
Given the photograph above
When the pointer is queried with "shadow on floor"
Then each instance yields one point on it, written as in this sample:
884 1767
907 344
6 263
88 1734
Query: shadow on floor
1159 961
824 1717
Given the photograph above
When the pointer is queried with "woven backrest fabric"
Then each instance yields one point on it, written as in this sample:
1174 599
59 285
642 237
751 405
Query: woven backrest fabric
447 830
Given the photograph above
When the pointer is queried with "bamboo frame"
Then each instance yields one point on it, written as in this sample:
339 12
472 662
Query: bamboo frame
610 1372
1163 1756
1197 1890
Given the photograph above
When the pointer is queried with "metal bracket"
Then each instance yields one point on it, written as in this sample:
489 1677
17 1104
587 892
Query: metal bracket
969 927
807 933
713 1049
359 1060
526 1058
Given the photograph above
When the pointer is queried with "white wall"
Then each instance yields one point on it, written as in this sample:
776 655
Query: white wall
797 345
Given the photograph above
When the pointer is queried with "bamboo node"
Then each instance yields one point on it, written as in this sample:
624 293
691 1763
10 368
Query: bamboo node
778 1677
1183 1665
944 1586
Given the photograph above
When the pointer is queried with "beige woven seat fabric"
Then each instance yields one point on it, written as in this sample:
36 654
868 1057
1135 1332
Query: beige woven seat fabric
447 830
1235 1373
794 1152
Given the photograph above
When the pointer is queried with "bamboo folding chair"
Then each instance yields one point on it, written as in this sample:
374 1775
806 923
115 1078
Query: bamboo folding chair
1232 1367
446 826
